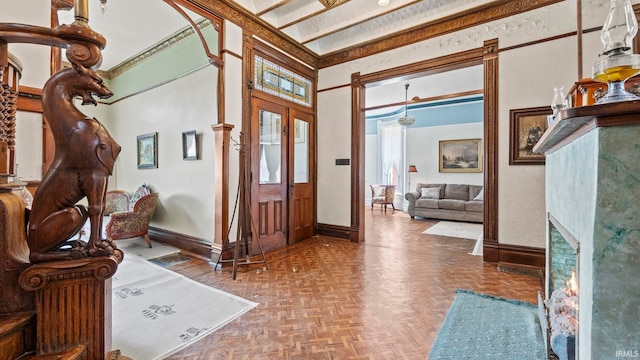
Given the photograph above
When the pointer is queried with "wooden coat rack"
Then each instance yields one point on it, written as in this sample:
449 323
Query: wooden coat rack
245 224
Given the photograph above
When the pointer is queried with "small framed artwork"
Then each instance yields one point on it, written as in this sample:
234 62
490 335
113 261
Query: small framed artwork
463 155
189 145
526 128
148 151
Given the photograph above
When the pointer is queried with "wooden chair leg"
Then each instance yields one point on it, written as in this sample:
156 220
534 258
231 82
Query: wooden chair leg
147 240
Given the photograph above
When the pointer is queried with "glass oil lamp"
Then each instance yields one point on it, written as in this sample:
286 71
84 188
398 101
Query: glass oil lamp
620 64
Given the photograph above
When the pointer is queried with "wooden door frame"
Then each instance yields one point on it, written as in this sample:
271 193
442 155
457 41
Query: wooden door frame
251 47
290 108
486 55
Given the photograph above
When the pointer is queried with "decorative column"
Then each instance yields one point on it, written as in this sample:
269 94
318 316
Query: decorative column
222 133
73 303
491 247
357 153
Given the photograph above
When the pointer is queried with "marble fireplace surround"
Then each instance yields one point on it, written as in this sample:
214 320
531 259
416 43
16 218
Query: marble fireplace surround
563 251
593 192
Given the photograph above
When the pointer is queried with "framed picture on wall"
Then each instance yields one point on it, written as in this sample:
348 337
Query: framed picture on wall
148 151
463 155
189 145
526 128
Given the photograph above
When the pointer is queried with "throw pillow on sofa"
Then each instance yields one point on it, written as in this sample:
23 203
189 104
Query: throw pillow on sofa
430 193
457 192
480 196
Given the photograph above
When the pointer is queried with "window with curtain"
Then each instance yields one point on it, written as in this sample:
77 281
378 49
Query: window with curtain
391 154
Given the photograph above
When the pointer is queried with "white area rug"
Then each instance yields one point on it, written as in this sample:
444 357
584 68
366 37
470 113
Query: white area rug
462 230
455 229
157 312
137 246
477 250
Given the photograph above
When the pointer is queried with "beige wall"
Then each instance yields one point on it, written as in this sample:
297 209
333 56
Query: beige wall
29 131
334 142
186 188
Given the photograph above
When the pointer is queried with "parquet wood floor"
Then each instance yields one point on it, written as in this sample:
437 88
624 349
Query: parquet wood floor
327 298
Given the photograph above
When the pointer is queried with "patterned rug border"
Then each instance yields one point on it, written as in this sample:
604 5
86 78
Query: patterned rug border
487 296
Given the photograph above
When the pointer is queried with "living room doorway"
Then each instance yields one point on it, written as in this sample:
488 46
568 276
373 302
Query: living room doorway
445 107
487 57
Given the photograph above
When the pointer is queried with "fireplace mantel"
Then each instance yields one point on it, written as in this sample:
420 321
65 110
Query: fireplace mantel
593 192
572 123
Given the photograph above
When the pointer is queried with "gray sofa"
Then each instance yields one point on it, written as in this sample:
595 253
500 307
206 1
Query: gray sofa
447 202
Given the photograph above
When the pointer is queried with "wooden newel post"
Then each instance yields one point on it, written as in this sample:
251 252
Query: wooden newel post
73 303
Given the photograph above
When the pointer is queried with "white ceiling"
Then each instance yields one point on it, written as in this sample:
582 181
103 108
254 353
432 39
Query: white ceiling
132 26
323 29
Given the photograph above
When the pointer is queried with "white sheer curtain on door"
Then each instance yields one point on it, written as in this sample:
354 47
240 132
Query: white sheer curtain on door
390 148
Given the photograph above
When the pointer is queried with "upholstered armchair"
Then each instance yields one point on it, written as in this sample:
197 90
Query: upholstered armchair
383 195
133 223
116 200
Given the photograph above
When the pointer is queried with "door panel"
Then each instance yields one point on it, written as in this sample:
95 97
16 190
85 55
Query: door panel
269 173
301 162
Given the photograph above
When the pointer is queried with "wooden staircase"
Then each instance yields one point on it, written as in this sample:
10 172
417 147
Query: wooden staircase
15 332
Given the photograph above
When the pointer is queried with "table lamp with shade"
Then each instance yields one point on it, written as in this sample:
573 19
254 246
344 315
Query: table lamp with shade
412 169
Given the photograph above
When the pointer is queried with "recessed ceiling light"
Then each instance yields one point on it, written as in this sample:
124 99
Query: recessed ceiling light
383 2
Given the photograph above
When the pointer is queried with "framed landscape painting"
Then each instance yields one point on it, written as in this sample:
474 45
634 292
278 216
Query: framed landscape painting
148 151
463 155
526 128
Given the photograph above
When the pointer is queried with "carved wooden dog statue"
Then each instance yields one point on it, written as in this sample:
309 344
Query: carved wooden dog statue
85 154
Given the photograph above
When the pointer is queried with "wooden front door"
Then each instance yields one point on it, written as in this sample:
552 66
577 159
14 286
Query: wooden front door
269 174
282 175
302 165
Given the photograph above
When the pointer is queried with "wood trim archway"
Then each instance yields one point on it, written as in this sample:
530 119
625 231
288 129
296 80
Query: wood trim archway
488 56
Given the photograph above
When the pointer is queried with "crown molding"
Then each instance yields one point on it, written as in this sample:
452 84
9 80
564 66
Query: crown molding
456 22
160 46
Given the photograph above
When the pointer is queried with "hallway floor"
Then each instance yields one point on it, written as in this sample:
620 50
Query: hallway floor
327 298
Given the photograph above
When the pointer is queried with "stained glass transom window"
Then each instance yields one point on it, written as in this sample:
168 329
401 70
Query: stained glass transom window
276 80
